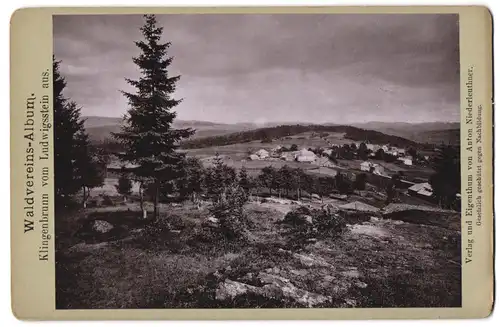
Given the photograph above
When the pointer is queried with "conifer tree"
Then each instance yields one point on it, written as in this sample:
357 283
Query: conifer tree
243 181
445 181
124 186
147 133
218 178
74 162
191 181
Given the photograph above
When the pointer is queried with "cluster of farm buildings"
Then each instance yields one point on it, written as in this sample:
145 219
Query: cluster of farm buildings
305 155
421 190
281 153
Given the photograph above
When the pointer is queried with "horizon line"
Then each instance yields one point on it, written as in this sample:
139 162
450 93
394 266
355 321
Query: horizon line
297 122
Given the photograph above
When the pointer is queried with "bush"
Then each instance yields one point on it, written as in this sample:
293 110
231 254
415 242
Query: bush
298 217
328 224
325 223
229 210
157 230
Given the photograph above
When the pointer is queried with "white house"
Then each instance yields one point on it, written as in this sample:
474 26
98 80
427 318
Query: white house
372 147
262 154
385 148
366 166
305 155
372 167
253 157
406 160
421 189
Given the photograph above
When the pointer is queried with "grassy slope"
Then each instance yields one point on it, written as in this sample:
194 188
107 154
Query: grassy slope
401 264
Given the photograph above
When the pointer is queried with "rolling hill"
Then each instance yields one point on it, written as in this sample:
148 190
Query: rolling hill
431 132
276 132
100 128
400 133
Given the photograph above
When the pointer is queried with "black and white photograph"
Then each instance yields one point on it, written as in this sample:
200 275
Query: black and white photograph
257 161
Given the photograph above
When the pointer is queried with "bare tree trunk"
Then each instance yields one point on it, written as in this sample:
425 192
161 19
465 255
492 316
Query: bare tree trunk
141 196
84 201
157 199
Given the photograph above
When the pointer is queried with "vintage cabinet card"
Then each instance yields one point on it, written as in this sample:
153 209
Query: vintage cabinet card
252 163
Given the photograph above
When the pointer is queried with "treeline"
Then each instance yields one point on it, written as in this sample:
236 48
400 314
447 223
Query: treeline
195 182
269 133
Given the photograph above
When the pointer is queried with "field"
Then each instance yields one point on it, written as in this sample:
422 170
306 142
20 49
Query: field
374 263
110 256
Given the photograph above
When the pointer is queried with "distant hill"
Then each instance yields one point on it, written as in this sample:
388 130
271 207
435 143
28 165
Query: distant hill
431 132
100 128
96 121
268 133
400 133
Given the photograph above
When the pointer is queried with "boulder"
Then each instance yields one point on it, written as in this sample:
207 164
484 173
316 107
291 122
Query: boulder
275 287
101 226
86 247
311 261
361 284
299 216
211 222
230 289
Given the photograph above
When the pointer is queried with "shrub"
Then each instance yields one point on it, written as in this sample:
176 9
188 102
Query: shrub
124 186
298 216
327 223
229 210
157 231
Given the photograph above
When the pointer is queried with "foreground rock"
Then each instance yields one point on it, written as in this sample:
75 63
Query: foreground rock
86 247
101 226
308 260
275 287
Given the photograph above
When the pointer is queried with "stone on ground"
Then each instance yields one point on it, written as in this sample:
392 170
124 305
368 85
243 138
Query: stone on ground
101 226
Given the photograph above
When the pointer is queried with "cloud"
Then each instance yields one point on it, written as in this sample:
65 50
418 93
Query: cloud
275 67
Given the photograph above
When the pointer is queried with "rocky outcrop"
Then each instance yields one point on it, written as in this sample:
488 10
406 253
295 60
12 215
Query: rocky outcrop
274 287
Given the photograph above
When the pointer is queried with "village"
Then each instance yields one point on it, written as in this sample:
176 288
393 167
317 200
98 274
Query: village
352 158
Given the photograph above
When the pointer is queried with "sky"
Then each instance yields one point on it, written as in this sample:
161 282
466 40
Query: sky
329 68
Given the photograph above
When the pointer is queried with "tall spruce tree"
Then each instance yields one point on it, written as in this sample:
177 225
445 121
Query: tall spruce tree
74 162
445 181
147 133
